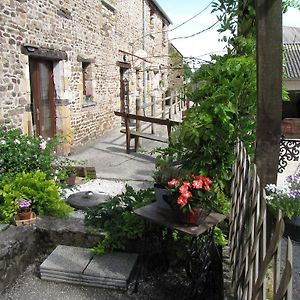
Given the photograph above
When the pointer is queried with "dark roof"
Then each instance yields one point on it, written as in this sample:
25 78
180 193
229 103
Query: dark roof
290 34
291 55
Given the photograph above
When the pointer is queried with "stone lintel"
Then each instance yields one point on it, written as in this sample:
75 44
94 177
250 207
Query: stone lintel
86 60
50 54
123 64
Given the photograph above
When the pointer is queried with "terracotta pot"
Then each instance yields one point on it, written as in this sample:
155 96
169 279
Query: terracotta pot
197 217
25 215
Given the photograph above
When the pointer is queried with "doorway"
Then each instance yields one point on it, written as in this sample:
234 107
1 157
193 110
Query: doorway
42 97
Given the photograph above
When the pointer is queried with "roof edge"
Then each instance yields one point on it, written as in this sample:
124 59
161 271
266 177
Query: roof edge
162 11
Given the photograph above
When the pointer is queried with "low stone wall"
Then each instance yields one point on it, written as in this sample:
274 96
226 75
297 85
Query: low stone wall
19 246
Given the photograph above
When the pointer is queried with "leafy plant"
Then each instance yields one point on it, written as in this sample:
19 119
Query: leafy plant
189 192
286 198
42 193
22 153
117 220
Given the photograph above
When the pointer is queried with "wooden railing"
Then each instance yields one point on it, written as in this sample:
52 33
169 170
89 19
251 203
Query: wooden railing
251 262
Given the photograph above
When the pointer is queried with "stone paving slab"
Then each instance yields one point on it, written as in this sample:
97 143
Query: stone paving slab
79 277
67 259
96 283
78 266
116 265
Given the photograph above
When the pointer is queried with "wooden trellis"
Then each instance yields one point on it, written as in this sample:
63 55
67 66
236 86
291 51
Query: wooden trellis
249 258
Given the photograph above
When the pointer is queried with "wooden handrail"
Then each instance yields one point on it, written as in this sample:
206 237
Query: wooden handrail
147 119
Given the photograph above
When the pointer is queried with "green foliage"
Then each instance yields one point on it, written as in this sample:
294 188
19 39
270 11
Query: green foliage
285 198
117 220
22 153
43 194
224 109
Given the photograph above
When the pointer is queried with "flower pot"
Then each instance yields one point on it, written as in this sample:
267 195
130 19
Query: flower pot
25 215
160 191
196 217
71 180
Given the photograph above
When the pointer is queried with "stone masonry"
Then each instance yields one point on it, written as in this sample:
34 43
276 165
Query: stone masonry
99 35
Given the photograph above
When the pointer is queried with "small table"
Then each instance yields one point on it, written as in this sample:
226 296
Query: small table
198 257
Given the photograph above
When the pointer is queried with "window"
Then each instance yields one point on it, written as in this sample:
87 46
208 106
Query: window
87 81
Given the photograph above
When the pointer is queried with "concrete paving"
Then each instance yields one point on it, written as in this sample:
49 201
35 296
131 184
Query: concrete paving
108 156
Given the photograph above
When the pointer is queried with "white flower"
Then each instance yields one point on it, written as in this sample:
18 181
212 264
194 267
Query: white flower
2 142
28 143
17 142
43 145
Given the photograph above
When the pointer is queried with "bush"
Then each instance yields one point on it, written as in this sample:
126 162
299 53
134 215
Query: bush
117 219
22 153
43 194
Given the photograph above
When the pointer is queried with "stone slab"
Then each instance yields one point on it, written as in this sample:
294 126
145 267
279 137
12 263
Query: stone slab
86 283
100 282
116 265
67 259
3 227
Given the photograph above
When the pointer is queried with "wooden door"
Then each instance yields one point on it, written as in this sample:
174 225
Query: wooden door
42 97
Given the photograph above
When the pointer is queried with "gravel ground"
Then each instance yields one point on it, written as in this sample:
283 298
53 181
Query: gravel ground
163 286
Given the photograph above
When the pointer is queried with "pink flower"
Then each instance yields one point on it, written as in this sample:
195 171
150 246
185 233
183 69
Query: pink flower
173 182
182 201
198 184
185 187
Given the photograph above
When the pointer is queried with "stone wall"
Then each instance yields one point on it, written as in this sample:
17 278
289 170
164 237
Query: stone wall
90 31
19 246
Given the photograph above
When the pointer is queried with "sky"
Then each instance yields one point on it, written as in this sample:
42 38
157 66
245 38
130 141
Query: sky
207 42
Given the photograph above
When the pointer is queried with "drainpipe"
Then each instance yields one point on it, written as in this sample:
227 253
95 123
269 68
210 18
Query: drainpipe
144 48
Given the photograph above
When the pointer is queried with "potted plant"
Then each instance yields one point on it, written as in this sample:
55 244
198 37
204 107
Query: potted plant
287 199
24 209
190 198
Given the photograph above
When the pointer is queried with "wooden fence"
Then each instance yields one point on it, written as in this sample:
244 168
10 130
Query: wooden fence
252 264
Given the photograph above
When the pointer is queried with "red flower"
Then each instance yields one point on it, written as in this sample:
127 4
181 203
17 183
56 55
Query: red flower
182 200
198 184
173 182
207 183
185 187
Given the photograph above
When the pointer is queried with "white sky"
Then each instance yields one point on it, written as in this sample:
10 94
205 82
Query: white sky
207 42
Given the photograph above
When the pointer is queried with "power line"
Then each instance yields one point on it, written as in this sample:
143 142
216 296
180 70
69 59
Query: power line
197 33
192 18
169 30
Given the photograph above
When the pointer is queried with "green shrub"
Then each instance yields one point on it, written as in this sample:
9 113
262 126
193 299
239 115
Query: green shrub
43 194
117 219
22 153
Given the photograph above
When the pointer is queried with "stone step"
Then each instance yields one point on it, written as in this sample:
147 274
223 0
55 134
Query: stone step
79 266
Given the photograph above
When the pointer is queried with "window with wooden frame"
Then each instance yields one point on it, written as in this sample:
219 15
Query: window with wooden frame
87 81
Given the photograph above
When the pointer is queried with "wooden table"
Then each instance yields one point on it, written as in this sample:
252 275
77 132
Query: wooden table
199 255
167 218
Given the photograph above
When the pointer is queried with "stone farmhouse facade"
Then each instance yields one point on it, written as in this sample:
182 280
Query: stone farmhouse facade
66 66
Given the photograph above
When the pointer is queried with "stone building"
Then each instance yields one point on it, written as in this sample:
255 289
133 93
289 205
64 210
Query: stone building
66 66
